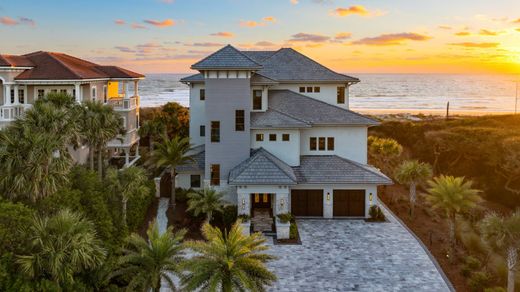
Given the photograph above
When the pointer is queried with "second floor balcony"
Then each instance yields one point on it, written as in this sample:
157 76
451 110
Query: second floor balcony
13 111
123 104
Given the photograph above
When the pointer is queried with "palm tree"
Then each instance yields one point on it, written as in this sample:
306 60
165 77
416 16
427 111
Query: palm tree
128 182
150 261
453 195
206 201
100 125
228 261
504 233
169 154
153 128
413 173
62 246
384 153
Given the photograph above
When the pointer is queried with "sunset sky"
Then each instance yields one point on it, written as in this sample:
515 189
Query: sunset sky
153 36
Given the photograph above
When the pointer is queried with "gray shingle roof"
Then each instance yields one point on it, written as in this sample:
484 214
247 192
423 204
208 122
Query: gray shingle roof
262 168
198 154
259 56
227 58
275 119
334 169
313 111
193 78
258 79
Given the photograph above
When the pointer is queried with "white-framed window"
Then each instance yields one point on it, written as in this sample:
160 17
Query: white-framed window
93 92
124 122
105 94
41 93
64 91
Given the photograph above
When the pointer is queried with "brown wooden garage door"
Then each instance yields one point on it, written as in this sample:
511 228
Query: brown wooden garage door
307 203
349 203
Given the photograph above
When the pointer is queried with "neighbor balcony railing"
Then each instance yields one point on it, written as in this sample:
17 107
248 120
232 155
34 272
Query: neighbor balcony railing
123 103
13 111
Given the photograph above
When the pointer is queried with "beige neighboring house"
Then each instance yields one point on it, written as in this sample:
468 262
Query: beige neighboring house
25 78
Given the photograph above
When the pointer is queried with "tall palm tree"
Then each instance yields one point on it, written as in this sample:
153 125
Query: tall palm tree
169 154
504 233
413 173
128 182
206 201
150 261
100 125
153 128
453 195
62 246
228 261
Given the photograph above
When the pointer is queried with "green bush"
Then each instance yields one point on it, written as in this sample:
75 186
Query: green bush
285 217
181 195
376 214
244 217
495 289
14 217
293 231
229 215
478 281
471 264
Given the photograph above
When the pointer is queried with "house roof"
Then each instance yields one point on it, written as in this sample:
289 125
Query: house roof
284 65
227 58
275 119
312 111
198 154
262 168
335 169
58 66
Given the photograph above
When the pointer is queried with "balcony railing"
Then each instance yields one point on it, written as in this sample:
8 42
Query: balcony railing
13 111
128 139
123 103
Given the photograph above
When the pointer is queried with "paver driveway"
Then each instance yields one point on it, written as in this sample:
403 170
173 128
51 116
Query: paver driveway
352 255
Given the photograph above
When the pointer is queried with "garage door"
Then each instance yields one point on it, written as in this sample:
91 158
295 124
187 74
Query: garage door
349 203
307 203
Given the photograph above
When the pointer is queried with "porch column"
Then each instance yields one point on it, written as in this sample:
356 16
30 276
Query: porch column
244 201
16 97
123 85
7 95
77 88
127 156
282 202
136 88
137 150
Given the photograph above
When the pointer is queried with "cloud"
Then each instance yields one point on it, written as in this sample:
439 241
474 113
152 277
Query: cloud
119 22
251 23
168 1
463 33
355 10
224 34
391 39
124 49
265 44
516 21
343 36
6 20
207 44
446 27
158 23
488 32
138 26
518 29
294 2
269 19
307 37
476 45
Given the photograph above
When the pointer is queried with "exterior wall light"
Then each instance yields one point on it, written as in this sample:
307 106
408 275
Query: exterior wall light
370 197
328 197
243 204
282 203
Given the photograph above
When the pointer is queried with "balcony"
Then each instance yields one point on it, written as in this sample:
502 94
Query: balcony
123 104
126 140
11 112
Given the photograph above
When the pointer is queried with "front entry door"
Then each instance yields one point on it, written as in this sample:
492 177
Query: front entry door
261 201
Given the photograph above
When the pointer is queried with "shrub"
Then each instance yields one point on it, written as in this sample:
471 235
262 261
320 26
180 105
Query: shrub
229 215
478 281
495 289
285 217
13 218
244 217
376 214
181 195
471 264
293 231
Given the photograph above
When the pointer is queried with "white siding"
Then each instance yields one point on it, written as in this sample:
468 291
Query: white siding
287 151
328 92
197 114
349 142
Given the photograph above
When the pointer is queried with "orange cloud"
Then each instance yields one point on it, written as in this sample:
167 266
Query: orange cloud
294 2
6 20
476 45
343 35
224 34
265 44
355 10
251 23
308 37
488 32
446 27
391 39
516 21
518 29
119 22
462 33
138 26
269 19
157 23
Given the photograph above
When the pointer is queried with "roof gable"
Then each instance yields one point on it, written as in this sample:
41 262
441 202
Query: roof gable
275 119
227 58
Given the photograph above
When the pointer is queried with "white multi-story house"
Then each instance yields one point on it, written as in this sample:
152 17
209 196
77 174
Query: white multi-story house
25 78
273 130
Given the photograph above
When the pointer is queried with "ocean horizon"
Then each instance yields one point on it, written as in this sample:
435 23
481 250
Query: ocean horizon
469 93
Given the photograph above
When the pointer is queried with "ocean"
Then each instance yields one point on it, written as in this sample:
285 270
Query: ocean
385 92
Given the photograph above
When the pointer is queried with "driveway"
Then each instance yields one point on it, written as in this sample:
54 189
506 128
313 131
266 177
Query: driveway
352 255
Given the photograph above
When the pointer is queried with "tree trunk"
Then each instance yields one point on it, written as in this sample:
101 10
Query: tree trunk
100 161
208 216
91 157
512 258
124 201
452 225
413 198
172 198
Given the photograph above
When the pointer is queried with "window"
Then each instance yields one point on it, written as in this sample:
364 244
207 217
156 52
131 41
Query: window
312 144
259 137
54 90
195 180
21 95
302 89
341 95
93 93
272 137
330 143
285 137
239 120
12 95
64 91
215 174
202 94
317 89
41 93
202 131
215 131
257 99
321 143
74 93
309 89
105 94
123 120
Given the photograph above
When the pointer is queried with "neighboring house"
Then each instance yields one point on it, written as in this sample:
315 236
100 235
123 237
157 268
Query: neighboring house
274 131
25 78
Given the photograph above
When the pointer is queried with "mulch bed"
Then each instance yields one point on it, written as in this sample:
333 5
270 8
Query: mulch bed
181 219
431 228
151 214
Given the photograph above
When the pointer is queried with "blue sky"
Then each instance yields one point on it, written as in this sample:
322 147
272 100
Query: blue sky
349 36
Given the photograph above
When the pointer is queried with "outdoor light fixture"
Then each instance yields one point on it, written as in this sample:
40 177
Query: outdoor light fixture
370 198
282 203
243 204
328 197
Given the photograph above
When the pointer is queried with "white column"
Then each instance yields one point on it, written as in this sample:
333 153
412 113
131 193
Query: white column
127 156
7 94
136 88
124 89
282 202
244 202
16 97
25 93
77 88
